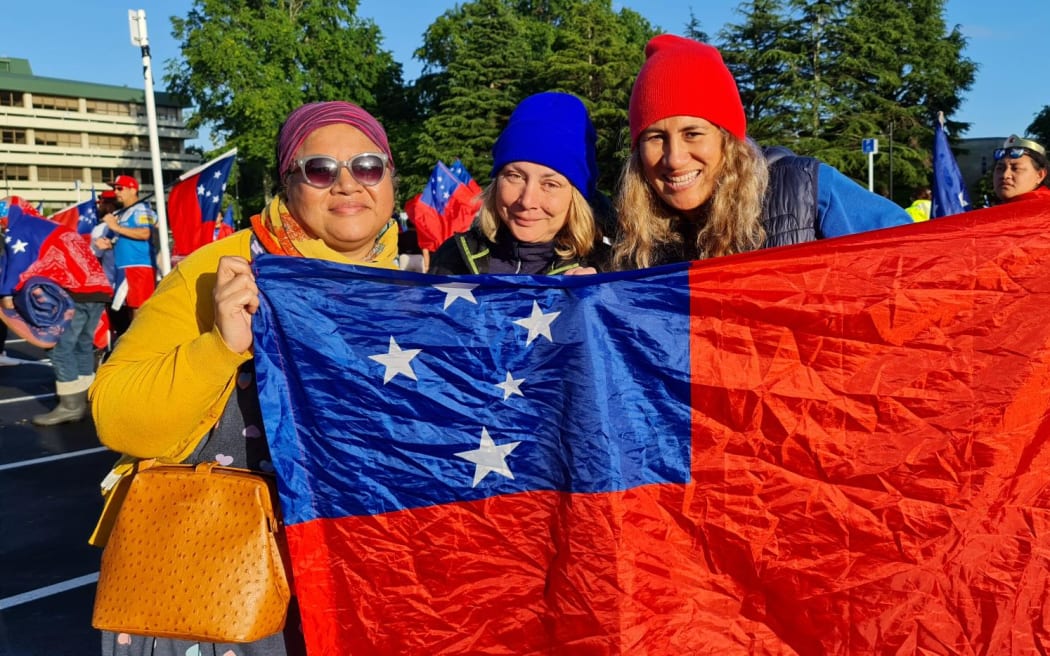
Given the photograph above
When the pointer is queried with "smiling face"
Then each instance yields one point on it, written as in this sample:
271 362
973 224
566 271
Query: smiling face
348 215
1013 177
681 158
533 201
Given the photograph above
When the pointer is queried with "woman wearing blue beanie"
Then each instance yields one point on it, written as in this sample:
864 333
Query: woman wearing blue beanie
536 216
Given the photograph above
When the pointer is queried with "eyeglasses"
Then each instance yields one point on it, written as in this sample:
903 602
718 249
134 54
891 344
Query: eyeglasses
1012 153
322 171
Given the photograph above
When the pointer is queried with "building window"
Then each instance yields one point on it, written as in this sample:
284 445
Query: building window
170 145
110 141
57 174
12 172
56 102
167 113
64 139
11 98
109 108
12 136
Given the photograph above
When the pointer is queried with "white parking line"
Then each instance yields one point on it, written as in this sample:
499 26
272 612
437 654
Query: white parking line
34 397
47 591
60 456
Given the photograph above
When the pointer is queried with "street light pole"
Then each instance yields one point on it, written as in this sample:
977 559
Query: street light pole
139 37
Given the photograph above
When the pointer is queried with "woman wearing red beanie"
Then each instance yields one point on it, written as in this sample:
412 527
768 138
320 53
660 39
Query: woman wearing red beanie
695 186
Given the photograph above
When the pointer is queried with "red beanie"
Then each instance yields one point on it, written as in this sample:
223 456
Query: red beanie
683 77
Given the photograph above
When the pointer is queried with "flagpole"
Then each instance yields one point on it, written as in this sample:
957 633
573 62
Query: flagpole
137 22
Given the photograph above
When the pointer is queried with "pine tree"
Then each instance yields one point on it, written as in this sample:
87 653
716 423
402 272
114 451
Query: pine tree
246 65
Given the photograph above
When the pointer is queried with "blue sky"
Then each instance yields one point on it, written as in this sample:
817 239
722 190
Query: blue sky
92 43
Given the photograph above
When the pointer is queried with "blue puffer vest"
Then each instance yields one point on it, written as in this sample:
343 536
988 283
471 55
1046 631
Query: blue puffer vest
789 212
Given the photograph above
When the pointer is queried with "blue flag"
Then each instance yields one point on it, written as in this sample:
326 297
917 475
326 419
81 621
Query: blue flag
950 195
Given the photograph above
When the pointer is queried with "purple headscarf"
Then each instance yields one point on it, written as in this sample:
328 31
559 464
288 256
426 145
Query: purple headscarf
300 123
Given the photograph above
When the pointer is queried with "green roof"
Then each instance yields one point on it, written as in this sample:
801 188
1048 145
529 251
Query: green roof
17 75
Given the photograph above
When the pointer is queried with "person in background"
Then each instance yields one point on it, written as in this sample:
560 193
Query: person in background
65 258
922 204
1020 170
694 185
180 384
119 318
131 243
536 215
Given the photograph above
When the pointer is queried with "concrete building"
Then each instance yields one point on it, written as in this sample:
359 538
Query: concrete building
60 138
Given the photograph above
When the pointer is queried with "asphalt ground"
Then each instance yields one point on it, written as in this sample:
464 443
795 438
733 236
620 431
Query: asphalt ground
49 501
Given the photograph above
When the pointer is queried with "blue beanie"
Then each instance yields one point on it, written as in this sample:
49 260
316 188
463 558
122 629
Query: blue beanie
554 130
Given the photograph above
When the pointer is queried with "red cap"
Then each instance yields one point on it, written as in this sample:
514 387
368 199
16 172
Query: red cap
683 77
126 181
108 194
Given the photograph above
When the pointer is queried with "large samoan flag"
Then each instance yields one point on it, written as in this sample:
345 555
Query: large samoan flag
81 217
833 448
950 195
446 205
195 204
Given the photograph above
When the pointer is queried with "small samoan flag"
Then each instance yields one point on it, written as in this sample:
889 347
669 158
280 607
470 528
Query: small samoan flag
81 217
831 448
195 204
446 205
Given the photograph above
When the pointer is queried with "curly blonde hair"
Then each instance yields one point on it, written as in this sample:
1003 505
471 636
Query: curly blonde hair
732 218
575 239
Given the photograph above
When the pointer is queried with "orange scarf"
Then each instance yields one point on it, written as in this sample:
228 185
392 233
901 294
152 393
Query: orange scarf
280 233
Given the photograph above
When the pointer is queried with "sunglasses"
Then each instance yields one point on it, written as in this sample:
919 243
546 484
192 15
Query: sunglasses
322 171
116 188
1012 153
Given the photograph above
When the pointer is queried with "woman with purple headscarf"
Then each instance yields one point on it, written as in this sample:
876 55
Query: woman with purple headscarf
180 385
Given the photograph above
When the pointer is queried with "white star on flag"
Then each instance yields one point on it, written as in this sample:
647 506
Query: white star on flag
511 386
20 246
397 361
538 323
454 290
489 458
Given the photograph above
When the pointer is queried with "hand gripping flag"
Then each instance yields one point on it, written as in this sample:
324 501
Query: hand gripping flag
447 205
81 217
950 195
833 448
195 204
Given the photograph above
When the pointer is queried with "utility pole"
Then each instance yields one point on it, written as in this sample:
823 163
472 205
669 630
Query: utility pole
139 37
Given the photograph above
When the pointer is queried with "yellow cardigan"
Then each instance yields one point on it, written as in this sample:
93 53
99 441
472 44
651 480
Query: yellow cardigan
167 382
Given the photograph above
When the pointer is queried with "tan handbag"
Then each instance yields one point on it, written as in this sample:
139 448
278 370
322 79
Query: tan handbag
195 553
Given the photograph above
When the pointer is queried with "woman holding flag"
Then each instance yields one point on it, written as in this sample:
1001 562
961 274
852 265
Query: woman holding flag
180 384
696 187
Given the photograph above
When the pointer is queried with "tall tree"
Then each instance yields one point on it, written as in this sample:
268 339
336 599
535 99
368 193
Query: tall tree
246 64
592 55
477 58
819 76
764 64
1039 128
483 57
906 67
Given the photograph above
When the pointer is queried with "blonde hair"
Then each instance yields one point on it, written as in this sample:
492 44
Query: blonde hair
575 239
732 217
